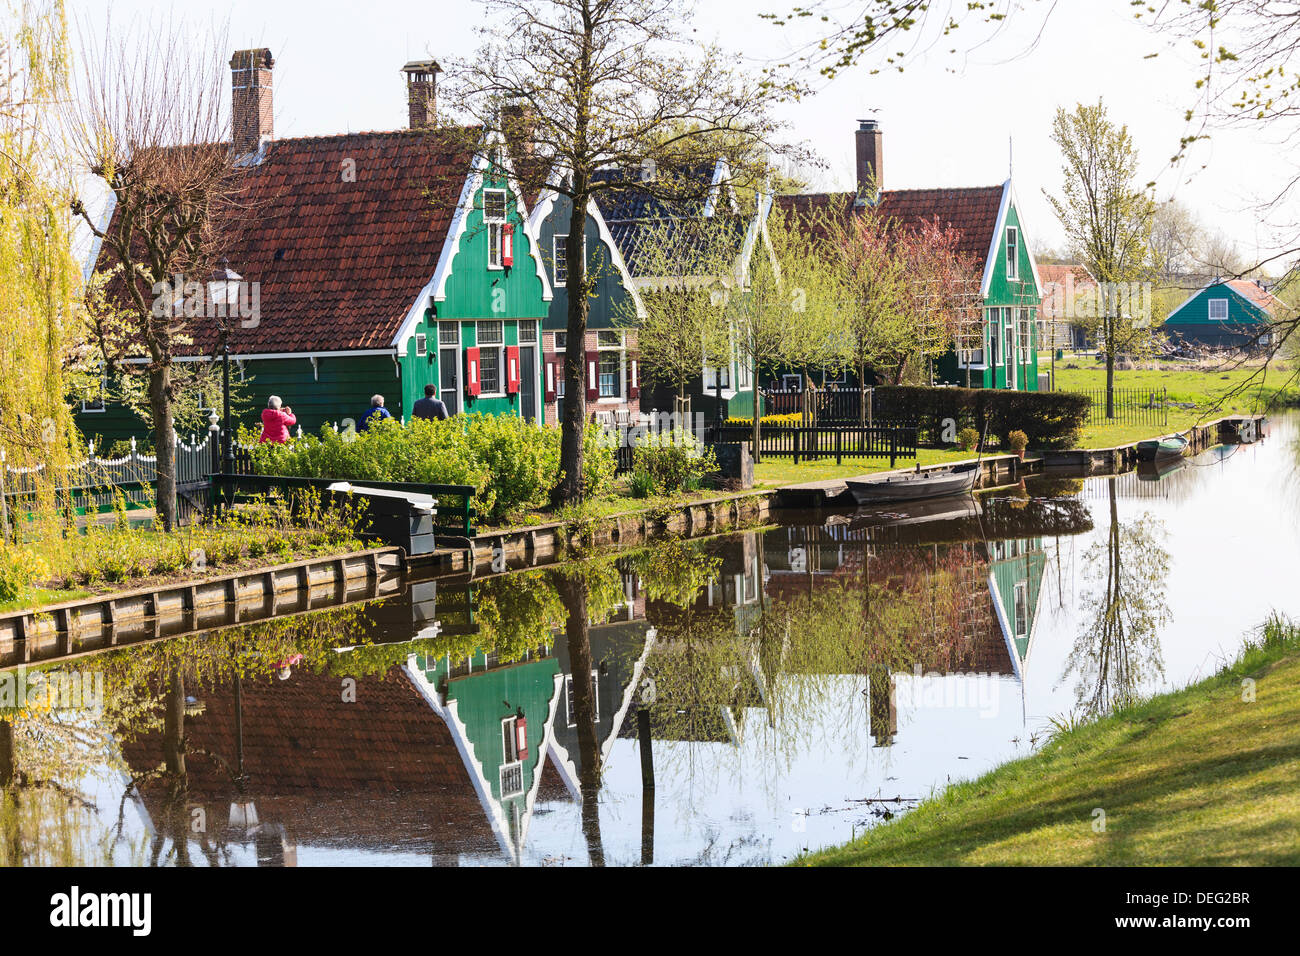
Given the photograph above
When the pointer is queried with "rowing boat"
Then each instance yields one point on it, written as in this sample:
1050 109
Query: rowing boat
1158 448
916 485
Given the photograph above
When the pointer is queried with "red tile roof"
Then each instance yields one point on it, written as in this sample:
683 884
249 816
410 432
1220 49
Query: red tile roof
340 263
970 210
1250 290
382 771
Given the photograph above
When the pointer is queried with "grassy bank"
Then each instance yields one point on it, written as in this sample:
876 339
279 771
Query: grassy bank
1196 777
1213 393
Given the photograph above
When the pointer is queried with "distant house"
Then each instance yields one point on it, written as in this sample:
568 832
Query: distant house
1227 313
613 373
1063 284
384 262
632 216
1003 351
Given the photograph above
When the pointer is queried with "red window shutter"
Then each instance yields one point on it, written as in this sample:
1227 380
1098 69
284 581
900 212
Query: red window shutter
593 376
512 369
471 372
553 370
508 245
633 379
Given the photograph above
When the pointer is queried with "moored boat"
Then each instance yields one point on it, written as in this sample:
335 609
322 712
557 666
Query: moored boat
1154 449
916 485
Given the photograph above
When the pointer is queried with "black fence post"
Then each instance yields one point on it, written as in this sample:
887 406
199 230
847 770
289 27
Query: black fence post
893 446
838 433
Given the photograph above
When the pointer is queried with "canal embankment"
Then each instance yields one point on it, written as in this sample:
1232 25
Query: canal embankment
1203 776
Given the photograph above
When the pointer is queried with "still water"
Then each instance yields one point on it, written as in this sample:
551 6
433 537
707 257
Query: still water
798 685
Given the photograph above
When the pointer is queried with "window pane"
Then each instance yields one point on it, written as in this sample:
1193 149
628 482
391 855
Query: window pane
610 366
527 331
560 339
609 339
561 259
449 333
494 244
494 205
490 333
490 370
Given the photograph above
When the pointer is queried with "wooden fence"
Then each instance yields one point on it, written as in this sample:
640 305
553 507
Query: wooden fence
841 406
892 441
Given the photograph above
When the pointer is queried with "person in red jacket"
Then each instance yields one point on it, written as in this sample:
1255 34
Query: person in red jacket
276 421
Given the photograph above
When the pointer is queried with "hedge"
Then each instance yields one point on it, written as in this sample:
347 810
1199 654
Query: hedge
1049 419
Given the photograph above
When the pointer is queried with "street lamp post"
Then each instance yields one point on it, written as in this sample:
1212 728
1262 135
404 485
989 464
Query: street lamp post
222 289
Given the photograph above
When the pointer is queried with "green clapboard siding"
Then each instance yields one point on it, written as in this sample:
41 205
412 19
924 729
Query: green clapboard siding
610 299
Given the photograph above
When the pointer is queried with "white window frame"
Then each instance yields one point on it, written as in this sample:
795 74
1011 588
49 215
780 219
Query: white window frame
966 356
620 385
528 332
558 246
568 698
421 344
454 328
1019 602
1210 310
1024 335
496 228
1013 253
497 347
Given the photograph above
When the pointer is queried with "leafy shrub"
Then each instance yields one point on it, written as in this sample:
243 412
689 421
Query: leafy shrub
672 461
968 438
642 484
1017 440
18 569
511 464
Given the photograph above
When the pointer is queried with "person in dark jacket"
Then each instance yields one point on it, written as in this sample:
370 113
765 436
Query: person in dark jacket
375 413
429 407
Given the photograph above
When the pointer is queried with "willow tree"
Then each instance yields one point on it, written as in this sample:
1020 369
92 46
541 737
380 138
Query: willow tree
147 120
1107 218
618 96
39 278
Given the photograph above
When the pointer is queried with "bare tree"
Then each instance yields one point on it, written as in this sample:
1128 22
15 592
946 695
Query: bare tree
615 95
147 119
1107 219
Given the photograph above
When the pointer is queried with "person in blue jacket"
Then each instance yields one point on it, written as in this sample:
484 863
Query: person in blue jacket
376 412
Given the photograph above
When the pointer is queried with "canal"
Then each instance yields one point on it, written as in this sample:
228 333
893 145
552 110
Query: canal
797 685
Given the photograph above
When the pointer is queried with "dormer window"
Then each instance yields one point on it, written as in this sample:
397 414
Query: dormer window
494 218
1013 253
1218 310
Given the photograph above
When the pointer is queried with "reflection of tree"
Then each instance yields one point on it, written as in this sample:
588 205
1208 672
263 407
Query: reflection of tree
1118 650
573 592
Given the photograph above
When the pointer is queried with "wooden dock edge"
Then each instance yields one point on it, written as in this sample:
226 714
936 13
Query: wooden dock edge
204 602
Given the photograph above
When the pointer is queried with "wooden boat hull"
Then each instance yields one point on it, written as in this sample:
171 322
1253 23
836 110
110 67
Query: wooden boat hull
915 486
1157 449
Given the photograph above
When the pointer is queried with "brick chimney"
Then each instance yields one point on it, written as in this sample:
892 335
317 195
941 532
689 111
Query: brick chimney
421 92
519 124
868 144
250 99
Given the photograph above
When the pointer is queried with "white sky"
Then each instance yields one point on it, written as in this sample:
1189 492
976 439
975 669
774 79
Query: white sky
948 120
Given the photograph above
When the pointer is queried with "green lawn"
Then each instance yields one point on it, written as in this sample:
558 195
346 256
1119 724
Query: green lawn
779 472
1196 777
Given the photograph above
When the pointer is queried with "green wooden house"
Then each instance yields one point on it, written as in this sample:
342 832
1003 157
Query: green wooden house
1227 313
379 263
1001 350
633 215
613 368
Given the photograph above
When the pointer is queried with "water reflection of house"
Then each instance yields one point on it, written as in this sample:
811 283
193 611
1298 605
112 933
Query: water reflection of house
501 715
380 773
1016 569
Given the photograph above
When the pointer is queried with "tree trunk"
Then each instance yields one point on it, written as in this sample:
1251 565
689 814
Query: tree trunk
569 491
164 443
174 724
573 593
1110 370
862 392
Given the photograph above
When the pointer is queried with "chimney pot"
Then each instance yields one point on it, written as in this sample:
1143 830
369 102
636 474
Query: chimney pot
868 147
421 92
251 116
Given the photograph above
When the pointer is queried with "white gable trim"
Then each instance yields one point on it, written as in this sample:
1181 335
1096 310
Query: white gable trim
1192 298
1024 241
721 175
546 205
435 290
